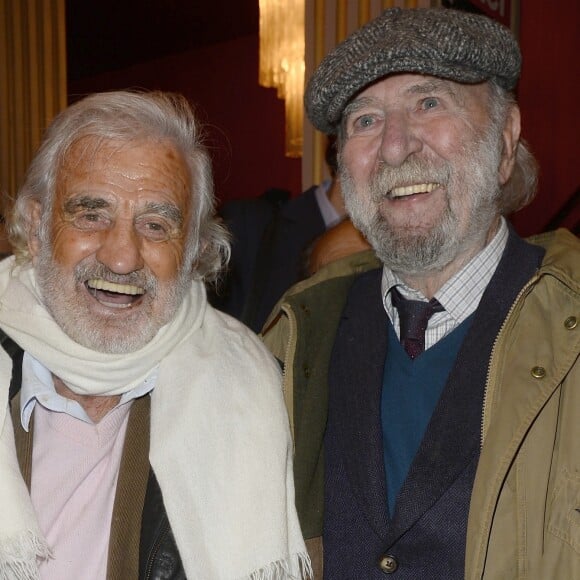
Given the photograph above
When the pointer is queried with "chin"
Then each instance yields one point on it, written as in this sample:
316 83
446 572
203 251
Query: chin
115 342
112 336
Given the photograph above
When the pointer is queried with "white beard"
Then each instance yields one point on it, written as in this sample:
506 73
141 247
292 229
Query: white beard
471 180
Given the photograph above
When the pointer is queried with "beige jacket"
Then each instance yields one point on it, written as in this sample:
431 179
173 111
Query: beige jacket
524 521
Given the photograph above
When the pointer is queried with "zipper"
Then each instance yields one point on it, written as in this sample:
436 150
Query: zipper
289 351
156 546
491 366
292 340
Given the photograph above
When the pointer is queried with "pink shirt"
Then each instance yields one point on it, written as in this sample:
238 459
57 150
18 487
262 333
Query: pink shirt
75 466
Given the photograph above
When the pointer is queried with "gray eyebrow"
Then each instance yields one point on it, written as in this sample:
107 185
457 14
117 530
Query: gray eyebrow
429 86
167 210
85 202
356 105
434 86
422 88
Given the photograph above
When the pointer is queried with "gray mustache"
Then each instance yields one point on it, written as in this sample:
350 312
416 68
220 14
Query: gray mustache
142 279
412 171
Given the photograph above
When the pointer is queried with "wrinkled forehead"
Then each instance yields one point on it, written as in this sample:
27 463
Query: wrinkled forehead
401 85
88 151
146 169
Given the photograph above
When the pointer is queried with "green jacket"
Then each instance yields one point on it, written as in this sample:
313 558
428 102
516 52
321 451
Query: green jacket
524 520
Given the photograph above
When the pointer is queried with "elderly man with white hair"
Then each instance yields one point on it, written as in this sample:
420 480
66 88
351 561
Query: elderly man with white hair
146 435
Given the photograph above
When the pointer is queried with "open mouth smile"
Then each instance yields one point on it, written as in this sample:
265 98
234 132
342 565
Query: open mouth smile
114 295
408 190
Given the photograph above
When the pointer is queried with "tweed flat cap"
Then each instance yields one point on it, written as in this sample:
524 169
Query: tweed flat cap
450 44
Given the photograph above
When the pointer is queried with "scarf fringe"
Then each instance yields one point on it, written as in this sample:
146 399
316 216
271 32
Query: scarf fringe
18 556
285 569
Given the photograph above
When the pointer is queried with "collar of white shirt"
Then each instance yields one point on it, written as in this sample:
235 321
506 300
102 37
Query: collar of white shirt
329 214
38 387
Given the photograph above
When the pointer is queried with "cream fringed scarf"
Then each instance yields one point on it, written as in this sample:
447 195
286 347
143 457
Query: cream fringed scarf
220 443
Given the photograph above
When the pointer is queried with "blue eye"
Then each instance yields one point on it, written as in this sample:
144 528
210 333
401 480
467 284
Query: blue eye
429 103
364 121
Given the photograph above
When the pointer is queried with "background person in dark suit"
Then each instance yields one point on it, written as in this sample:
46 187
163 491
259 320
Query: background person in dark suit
269 237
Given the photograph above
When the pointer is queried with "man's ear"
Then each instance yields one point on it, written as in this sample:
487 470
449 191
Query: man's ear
511 139
35 212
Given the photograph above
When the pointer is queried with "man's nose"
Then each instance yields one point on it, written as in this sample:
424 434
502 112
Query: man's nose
399 141
120 248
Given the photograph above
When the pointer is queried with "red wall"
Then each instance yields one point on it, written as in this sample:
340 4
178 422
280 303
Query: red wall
244 122
548 96
247 122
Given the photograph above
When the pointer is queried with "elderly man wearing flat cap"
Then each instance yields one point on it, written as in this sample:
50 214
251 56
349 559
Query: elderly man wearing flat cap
435 397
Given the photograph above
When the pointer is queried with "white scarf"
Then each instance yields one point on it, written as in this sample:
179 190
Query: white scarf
220 443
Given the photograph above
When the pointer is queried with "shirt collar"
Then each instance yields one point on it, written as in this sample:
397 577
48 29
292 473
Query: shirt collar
461 294
329 214
38 387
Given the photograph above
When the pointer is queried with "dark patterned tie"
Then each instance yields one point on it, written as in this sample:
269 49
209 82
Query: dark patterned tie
414 316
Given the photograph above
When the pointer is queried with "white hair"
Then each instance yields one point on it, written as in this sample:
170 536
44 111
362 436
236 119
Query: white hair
127 116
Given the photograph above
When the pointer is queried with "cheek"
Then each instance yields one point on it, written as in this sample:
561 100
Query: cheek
447 140
444 146
164 259
69 246
359 158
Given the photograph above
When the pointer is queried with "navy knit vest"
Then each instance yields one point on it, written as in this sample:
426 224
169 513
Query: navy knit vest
426 533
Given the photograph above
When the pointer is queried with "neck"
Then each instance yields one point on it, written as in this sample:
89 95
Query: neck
95 407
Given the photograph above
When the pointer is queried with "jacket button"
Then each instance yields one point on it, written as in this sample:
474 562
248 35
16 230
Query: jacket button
538 372
306 370
571 323
388 564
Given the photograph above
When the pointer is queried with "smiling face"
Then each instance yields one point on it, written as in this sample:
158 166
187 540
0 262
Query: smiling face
112 271
421 168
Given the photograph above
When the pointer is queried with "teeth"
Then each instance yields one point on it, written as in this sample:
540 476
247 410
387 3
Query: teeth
412 189
115 305
100 284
